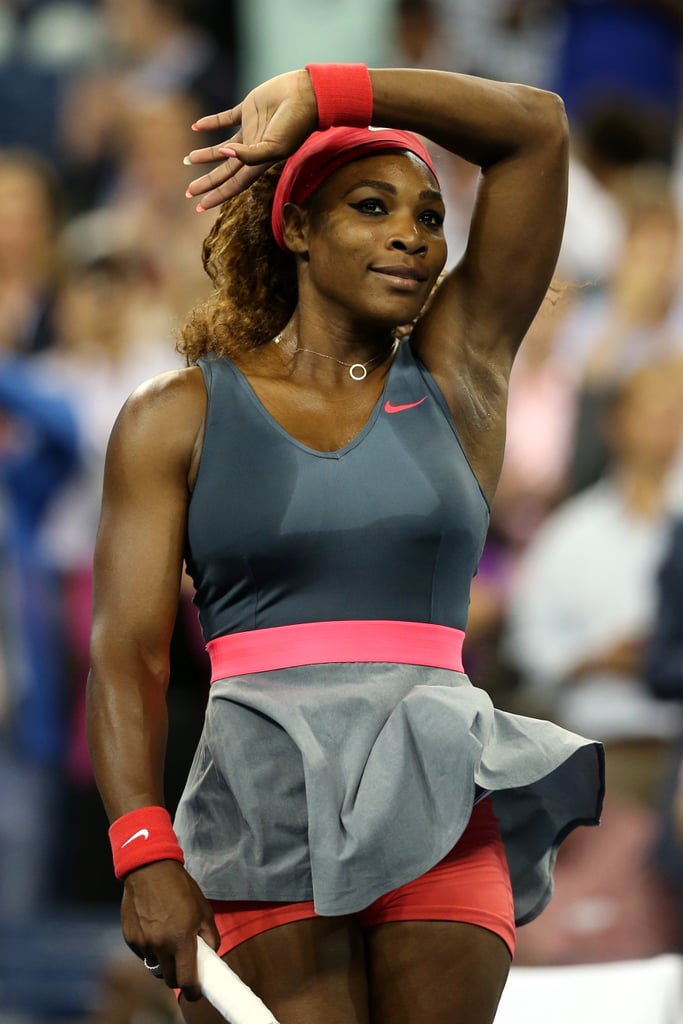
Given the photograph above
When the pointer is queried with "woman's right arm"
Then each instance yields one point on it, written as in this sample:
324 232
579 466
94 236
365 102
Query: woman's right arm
138 563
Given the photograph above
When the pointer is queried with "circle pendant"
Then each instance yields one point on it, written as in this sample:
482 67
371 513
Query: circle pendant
358 371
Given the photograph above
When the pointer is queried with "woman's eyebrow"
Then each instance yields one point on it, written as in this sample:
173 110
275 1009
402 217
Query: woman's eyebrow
431 193
385 186
382 186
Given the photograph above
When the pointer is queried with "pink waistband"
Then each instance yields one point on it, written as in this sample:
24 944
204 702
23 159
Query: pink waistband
317 643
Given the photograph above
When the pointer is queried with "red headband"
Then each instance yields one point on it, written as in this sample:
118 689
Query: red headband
324 152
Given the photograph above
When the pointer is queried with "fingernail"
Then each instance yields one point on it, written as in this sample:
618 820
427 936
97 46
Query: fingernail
199 208
227 152
187 161
188 194
195 127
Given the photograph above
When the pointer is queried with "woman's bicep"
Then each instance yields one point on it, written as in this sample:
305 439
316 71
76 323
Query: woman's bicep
139 549
515 238
486 303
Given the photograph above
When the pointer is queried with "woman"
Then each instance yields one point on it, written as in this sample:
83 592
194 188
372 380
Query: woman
329 489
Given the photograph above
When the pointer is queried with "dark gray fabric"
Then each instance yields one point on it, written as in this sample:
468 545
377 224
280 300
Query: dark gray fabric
389 527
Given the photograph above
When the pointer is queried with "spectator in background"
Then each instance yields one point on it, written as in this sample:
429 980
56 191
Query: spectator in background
101 352
664 668
665 649
30 220
617 65
421 36
541 406
154 137
579 616
612 145
159 48
109 304
582 602
636 319
511 40
38 450
151 48
627 53
42 43
638 316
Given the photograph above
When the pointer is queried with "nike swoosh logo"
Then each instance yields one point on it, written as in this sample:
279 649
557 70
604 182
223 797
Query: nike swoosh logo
390 407
142 833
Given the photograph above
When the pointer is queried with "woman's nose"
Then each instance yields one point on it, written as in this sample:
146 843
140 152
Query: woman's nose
407 239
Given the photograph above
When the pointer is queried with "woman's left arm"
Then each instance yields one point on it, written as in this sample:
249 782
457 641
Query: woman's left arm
518 136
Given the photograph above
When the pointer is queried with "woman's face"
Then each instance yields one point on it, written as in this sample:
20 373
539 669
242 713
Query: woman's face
375 239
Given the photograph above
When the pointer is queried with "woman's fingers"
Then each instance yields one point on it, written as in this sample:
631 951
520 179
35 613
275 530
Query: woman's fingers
185 973
265 152
210 154
209 931
215 192
217 176
214 122
271 122
236 171
231 176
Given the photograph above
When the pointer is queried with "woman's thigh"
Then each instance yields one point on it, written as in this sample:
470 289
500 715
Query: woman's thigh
435 972
306 972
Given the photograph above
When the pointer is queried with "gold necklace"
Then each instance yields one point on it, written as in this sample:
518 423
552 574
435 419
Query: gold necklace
357 371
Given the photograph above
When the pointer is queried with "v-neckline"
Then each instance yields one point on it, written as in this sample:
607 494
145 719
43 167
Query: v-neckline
336 453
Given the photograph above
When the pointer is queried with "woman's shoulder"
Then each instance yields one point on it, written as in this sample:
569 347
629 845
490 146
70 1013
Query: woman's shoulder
168 409
176 388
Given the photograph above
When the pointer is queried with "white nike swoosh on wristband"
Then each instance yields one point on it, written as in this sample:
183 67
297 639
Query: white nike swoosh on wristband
142 833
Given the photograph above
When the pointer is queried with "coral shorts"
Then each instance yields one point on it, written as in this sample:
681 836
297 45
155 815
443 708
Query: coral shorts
471 885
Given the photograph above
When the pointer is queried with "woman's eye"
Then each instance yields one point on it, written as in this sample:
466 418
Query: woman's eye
432 219
372 206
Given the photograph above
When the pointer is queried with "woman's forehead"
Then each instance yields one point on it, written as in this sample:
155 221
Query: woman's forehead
398 168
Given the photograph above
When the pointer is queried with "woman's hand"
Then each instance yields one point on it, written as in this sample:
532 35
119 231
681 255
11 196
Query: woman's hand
272 122
162 912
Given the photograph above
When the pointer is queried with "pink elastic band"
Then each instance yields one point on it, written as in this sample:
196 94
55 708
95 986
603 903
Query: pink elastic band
319 643
141 837
343 93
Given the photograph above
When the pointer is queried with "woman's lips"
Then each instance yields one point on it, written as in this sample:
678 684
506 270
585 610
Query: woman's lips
407 278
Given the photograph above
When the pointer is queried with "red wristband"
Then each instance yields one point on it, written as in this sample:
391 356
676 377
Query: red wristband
343 93
141 837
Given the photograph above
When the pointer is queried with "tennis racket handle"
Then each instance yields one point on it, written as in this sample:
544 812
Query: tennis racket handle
227 992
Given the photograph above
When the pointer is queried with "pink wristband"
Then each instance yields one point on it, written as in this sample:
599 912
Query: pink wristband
343 93
141 837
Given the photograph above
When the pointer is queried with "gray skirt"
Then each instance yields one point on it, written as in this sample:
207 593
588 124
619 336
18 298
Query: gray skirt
339 782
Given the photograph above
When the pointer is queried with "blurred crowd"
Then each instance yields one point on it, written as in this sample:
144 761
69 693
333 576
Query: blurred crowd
577 609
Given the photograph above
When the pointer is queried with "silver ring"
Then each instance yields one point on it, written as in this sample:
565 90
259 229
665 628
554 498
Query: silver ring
154 969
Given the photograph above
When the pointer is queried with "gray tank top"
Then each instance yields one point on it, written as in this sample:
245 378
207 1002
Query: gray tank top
389 527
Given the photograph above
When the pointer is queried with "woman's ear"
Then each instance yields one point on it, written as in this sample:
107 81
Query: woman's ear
295 224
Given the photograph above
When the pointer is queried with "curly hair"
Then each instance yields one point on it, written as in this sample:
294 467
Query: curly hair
255 286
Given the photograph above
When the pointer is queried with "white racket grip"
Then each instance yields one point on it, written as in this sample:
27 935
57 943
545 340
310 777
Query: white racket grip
227 992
